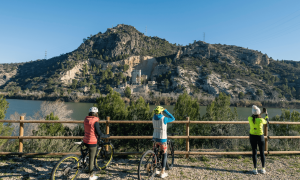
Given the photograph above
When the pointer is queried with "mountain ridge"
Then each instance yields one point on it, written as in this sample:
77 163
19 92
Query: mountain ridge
108 60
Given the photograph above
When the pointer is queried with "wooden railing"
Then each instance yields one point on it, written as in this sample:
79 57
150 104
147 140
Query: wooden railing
186 137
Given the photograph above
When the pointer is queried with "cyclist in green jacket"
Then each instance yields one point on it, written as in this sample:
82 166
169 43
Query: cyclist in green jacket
257 136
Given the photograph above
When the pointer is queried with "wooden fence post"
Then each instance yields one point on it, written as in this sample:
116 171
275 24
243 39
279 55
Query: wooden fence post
266 134
21 133
187 133
107 129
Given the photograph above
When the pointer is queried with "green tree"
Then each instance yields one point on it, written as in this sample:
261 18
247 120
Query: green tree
92 89
108 88
138 110
126 67
219 110
241 95
112 105
259 92
185 106
81 84
50 129
286 130
74 83
127 92
91 78
167 83
5 130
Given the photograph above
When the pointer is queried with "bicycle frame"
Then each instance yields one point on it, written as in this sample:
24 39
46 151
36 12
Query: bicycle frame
158 152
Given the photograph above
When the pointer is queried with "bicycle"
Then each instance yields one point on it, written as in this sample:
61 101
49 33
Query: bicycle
152 161
71 166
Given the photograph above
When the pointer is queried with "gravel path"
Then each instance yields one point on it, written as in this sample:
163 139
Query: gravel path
196 167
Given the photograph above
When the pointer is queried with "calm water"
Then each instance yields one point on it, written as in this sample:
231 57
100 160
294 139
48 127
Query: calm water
80 110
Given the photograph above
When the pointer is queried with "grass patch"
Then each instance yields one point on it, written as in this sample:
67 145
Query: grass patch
204 158
181 155
246 160
280 170
192 159
207 165
102 172
296 165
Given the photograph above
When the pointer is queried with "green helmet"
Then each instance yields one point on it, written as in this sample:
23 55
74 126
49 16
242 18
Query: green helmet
158 109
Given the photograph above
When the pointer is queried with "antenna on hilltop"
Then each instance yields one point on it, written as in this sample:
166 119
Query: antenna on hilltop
204 36
46 54
146 31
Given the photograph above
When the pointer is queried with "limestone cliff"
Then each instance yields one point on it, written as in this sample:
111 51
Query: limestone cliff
67 76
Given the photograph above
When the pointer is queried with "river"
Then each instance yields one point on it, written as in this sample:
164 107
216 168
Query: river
80 110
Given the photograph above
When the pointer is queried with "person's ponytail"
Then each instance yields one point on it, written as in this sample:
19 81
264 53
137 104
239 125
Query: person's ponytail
253 118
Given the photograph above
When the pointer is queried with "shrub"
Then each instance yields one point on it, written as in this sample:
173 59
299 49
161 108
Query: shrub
127 92
5 130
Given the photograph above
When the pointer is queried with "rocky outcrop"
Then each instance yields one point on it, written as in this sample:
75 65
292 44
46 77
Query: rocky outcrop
146 64
71 74
6 76
223 53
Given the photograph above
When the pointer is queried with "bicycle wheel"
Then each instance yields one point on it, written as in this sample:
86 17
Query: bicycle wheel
170 156
67 168
104 156
147 166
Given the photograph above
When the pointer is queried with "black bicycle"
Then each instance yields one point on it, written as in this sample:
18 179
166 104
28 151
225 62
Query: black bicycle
152 161
70 166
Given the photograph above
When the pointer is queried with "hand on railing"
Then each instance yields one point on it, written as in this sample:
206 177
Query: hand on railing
105 136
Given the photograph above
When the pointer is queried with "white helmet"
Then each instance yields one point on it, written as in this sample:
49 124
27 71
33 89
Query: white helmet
93 109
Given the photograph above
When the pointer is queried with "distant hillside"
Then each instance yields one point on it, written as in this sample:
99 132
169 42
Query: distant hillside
108 59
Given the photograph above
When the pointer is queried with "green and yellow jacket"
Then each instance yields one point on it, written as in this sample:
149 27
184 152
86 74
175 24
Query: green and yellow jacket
257 128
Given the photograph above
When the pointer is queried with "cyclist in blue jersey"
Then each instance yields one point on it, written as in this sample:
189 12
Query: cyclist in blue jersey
160 134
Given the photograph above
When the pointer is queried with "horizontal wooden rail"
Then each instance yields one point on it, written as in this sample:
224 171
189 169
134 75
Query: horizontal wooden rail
143 122
221 137
147 137
44 121
291 123
9 137
284 137
187 136
50 137
284 152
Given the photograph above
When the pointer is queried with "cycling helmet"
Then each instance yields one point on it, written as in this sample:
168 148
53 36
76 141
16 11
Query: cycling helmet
93 109
158 109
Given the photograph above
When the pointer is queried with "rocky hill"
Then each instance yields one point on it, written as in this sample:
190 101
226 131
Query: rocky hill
114 58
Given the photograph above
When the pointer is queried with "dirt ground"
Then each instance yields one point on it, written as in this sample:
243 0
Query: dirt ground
195 167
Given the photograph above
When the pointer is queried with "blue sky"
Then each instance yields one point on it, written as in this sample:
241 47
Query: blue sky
28 28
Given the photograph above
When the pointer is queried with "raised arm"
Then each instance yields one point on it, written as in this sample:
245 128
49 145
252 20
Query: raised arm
170 117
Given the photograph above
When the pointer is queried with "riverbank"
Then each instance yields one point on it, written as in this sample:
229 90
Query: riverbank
203 101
